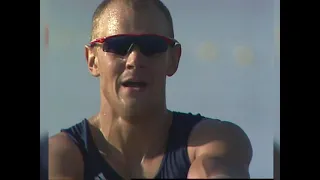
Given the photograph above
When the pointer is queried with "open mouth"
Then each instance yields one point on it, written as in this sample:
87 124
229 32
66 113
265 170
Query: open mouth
134 84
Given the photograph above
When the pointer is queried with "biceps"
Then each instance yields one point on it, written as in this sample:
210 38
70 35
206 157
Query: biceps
64 161
60 168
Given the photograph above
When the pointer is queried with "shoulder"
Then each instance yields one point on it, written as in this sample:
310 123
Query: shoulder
61 143
214 128
65 159
220 138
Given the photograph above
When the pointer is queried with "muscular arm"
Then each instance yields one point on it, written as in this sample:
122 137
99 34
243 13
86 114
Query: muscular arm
223 150
65 160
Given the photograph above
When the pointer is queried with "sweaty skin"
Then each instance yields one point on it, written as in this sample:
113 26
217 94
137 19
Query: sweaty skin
133 127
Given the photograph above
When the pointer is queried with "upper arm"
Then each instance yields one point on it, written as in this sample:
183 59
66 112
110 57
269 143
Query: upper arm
65 159
221 147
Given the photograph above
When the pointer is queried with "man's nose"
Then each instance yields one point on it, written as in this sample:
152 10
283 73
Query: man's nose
135 59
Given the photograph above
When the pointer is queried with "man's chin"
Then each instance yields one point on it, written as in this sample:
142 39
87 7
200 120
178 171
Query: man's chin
135 109
135 102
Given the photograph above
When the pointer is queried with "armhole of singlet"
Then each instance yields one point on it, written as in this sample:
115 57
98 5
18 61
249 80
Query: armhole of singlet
195 119
192 120
76 135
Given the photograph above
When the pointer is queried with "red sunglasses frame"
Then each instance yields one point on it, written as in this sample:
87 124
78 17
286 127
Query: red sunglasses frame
102 39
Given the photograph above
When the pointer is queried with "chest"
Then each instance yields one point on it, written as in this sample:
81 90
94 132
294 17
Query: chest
146 168
169 165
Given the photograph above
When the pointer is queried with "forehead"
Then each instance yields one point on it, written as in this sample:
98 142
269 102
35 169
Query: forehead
121 19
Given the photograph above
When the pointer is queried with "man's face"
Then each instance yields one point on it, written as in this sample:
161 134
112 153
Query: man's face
134 83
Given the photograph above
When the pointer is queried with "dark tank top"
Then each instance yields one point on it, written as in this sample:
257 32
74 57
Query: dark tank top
175 163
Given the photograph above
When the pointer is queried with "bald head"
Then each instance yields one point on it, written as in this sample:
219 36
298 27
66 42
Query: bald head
112 12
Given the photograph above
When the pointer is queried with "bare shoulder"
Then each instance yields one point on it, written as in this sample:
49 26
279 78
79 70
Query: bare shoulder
221 138
65 159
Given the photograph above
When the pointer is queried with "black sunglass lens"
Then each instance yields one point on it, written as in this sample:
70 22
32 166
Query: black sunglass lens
118 45
150 45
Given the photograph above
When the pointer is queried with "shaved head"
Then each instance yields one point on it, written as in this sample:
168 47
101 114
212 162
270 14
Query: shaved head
110 12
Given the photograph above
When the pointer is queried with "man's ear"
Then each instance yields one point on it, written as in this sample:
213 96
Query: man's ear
92 61
174 60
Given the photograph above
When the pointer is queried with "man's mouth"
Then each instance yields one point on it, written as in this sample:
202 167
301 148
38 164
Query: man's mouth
134 84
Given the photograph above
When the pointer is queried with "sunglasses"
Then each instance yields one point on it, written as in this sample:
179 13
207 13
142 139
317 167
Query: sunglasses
123 44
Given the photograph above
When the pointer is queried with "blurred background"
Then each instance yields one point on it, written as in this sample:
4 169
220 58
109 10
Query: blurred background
230 67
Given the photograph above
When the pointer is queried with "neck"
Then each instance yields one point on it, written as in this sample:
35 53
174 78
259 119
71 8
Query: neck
134 137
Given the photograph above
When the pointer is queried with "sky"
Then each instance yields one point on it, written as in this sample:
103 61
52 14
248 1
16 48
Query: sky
229 69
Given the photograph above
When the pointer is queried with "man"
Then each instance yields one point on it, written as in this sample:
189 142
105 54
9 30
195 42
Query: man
134 135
